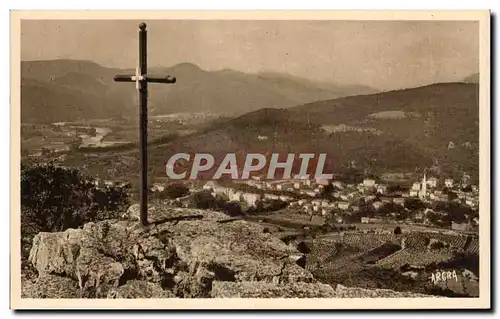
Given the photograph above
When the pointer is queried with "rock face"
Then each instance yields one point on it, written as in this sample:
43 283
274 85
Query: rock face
183 253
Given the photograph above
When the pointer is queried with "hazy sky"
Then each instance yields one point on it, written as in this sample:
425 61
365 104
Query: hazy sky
383 55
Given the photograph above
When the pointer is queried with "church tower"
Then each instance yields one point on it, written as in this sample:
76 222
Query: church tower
423 188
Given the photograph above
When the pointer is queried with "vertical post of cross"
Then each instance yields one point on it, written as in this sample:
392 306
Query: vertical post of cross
143 125
141 79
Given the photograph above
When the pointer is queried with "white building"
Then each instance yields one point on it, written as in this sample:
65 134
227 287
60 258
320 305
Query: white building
221 190
448 182
369 197
309 193
210 185
110 183
271 196
352 195
368 182
285 198
316 202
381 189
158 187
377 205
399 201
250 198
343 205
303 202
307 208
322 181
284 186
338 184
414 193
432 182
252 182
234 195
459 226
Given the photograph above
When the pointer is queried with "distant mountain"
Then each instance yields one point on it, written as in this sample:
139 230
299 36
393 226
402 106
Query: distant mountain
67 90
435 125
342 90
474 78
45 103
60 90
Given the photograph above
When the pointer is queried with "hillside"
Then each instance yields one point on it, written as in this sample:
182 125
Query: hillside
347 130
46 103
62 90
474 78
439 120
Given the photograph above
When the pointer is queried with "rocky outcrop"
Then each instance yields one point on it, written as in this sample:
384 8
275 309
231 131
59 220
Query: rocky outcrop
183 253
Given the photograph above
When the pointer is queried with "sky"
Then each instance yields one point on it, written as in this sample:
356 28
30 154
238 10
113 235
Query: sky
381 54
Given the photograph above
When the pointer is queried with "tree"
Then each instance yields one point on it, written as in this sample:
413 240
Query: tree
176 190
467 189
452 196
437 245
55 198
434 218
414 204
393 188
204 200
398 231
327 191
233 209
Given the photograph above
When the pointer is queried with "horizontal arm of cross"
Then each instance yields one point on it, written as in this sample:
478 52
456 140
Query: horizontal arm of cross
148 78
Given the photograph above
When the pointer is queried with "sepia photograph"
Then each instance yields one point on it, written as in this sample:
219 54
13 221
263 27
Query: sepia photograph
250 160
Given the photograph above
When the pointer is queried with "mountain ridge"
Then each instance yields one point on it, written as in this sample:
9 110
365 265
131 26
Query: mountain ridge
197 90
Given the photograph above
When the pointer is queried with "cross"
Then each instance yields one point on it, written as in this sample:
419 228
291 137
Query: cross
141 79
